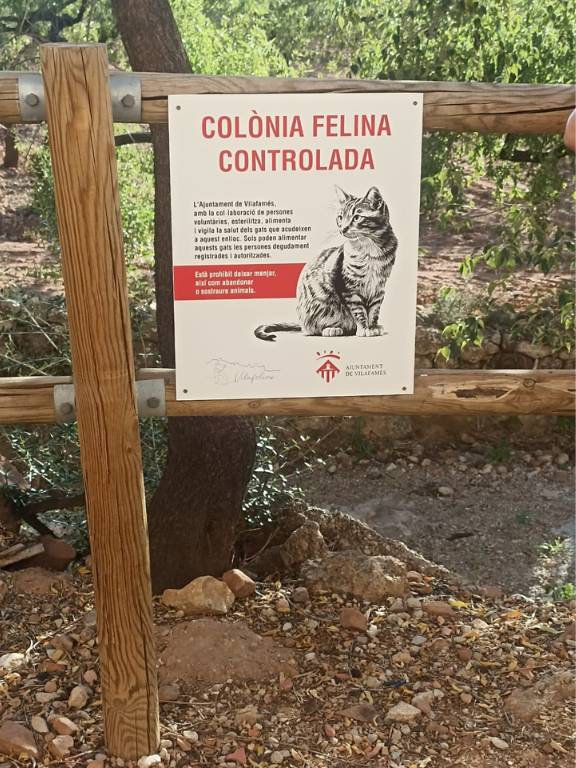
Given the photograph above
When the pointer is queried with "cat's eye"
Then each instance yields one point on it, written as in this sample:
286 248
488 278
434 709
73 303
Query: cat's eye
338 219
357 217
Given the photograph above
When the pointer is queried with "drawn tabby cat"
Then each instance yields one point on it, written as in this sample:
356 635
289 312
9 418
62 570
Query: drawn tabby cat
341 291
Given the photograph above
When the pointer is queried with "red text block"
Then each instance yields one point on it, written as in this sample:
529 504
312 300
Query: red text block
249 281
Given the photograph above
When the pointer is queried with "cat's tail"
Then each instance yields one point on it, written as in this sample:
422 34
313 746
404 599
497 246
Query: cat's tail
267 332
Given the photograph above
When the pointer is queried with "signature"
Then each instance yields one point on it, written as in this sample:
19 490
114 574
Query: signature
228 372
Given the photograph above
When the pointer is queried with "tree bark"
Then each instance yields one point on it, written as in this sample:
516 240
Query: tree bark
197 506
10 150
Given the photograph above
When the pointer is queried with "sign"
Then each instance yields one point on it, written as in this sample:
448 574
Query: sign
295 243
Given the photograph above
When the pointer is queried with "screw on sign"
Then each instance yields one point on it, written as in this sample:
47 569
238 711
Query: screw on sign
328 369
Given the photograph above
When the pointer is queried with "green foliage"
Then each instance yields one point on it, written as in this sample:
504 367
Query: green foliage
500 453
228 37
136 188
271 488
563 592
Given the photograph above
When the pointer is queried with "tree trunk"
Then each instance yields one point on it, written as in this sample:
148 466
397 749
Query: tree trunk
10 150
195 510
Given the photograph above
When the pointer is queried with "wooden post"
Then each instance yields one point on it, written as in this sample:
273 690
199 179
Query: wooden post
84 166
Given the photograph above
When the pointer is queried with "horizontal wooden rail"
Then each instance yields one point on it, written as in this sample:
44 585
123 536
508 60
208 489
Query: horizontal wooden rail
29 400
449 106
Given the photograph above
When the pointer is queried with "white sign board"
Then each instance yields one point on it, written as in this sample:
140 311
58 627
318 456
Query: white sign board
295 243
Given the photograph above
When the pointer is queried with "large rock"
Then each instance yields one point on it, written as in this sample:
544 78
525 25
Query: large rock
527 703
305 543
368 577
202 595
57 555
17 740
239 583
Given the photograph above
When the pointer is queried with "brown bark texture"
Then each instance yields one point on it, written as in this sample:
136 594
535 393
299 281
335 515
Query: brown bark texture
194 513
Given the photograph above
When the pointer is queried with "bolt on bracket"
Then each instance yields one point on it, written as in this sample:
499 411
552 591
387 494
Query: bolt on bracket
126 95
150 399
31 97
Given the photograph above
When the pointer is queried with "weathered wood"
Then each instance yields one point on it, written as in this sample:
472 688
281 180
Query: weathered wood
437 392
82 149
19 552
448 106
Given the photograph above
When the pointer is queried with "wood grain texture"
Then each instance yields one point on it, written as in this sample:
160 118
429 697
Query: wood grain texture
437 392
448 106
84 166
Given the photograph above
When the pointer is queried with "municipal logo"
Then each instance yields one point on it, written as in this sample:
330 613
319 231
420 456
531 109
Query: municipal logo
328 370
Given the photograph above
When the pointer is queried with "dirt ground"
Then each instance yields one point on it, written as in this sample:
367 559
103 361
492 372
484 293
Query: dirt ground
487 684
500 514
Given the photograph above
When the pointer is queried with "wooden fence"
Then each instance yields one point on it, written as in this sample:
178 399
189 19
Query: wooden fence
76 87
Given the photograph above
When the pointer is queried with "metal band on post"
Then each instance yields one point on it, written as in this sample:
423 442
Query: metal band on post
125 94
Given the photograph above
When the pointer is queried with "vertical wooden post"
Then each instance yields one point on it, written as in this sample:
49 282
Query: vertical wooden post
84 166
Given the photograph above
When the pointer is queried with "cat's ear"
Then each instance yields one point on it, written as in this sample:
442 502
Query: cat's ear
342 196
374 198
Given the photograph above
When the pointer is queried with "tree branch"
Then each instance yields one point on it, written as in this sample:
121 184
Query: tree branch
123 139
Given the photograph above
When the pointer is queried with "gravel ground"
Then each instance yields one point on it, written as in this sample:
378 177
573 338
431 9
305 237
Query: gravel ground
496 515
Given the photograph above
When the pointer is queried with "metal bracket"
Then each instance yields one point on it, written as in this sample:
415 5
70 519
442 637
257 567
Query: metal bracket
150 399
151 394
64 405
31 98
126 95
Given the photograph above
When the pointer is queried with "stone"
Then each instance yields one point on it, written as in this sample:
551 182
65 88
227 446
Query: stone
238 756
498 743
190 736
352 618
168 692
149 760
437 608
60 746
362 712
9 662
90 676
402 657
57 555
423 701
78 697
562 459
65 642
527 703
39 724
282 605
445 490
570 631
276 758
63 725
351 572
248 714
535 351
305 543
16 739
301 595
239 583
43 697
403 713
202 595
466 698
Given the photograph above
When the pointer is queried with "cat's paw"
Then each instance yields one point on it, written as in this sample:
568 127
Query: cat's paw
363 332
377 330
335 331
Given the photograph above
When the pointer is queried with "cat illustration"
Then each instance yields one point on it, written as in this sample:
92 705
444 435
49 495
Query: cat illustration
341 291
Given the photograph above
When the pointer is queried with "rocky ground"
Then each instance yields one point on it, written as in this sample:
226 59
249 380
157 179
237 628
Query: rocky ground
497 513
303 676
